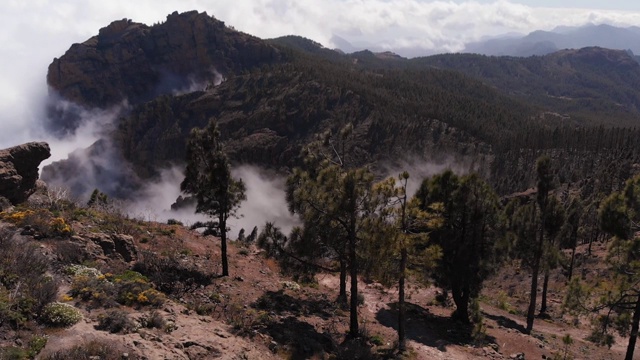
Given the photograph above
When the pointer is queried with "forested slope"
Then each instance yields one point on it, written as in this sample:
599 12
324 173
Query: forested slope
495 113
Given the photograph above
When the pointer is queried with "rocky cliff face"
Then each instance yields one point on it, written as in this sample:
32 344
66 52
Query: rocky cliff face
136 62
19 170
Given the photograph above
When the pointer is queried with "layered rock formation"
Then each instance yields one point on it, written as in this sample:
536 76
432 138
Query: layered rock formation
19 170
136 62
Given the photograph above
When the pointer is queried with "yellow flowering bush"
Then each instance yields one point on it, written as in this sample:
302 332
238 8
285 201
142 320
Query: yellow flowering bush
59 227
17 217
129 288
42 221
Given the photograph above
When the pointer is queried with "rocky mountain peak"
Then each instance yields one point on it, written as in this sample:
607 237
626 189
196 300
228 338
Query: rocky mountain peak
135 62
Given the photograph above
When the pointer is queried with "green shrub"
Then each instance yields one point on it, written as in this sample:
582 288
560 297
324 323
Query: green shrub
81 270
60 315
204 308
90 350
116 321
376 340
151 297
25 286
97 291
36 344
153 320
13 353
502 301
41 221
171 275
129 288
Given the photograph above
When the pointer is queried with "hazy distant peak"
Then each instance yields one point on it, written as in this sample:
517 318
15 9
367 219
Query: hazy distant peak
541 42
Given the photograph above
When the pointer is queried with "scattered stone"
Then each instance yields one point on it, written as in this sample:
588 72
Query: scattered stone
290 285
220 333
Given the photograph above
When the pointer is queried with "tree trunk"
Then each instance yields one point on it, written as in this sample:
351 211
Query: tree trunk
633 336
573 258
354 332
223 242
342 296
594 236
402 310
461 299
545 287
531 313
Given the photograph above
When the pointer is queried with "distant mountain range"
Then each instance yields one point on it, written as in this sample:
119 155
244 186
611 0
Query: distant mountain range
562 37
539 42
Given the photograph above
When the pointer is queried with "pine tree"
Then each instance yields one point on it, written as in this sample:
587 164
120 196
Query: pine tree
399 244
334 194
467 236
208 178
545 185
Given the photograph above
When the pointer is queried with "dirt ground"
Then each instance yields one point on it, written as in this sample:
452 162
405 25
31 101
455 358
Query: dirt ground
263 315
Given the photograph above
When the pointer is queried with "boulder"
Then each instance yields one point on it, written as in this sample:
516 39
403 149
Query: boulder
116 245
125 246
19 170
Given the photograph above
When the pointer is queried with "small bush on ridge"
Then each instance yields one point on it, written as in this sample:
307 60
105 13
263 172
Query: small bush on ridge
60 314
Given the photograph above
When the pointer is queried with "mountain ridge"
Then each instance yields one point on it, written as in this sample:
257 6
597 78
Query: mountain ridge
542 42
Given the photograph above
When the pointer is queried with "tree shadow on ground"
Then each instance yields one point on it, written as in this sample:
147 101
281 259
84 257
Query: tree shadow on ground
280 303
298 339
429 329
506 322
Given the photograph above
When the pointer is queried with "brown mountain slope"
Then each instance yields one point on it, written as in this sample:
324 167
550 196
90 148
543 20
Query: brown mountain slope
256 313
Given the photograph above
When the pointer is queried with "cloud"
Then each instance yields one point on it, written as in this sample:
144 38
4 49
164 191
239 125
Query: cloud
265 201
420 168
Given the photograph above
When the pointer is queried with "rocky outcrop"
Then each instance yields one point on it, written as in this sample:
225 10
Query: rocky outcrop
100 246
136 62
116 245
19 170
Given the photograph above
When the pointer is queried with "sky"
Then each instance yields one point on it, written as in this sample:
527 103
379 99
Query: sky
34 32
